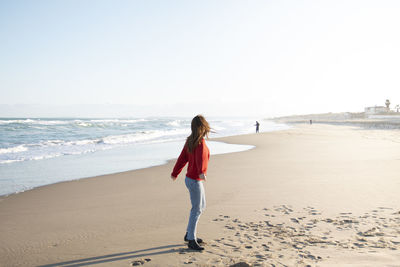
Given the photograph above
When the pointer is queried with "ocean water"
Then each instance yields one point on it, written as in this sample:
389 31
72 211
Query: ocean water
36 152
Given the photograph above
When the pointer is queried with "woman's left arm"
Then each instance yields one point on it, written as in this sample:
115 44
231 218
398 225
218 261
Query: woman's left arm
202 157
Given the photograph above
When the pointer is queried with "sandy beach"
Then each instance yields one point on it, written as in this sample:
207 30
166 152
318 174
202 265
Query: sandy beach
317 195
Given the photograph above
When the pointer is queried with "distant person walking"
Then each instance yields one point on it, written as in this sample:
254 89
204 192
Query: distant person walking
310 122
195 151
257 126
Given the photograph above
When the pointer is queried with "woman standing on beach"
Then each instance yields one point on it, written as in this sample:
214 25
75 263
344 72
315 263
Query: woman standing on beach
195 151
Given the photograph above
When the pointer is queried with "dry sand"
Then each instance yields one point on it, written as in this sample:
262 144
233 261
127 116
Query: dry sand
314 195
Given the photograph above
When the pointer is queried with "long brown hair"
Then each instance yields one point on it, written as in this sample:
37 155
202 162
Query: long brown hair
200 129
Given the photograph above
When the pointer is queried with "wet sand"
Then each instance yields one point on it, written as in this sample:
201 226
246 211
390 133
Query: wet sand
312 195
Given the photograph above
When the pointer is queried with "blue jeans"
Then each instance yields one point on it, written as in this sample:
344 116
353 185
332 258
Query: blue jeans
198 199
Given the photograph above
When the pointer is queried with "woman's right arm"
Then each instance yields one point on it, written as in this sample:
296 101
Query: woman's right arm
180 163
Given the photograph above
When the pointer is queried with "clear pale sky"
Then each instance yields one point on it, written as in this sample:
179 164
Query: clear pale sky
259 58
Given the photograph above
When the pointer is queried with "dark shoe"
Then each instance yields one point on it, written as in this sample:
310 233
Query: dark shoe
193 245
199 240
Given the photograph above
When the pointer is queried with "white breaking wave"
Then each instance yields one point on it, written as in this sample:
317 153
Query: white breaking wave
83 142
158 135
15 121
55 148
32 121
174 123
51 142
10 161
66 122
118 120
48 122
83 123
15 149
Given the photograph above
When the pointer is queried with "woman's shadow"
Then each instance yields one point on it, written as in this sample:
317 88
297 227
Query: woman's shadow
178 248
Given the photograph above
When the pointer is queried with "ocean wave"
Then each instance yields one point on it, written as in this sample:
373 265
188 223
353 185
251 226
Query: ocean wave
82 123
52 148
54 142
143 136
15 149
48 156
79 122
15 121
118 120
34 121
174 123
59 137
84 142
40 122
6 161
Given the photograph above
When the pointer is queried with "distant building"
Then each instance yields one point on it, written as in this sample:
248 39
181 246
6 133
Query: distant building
376 110
382 112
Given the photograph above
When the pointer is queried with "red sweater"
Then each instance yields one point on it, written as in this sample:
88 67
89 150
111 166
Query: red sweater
198 161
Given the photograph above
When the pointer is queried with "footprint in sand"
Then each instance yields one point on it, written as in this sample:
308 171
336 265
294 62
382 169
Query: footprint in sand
294 220
395 241
296 233
140 262
229 245
240 264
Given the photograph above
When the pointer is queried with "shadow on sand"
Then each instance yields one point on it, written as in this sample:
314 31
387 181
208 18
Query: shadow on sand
120 256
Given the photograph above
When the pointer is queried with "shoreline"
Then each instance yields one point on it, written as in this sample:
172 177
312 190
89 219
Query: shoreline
301 174
220 146
36 152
